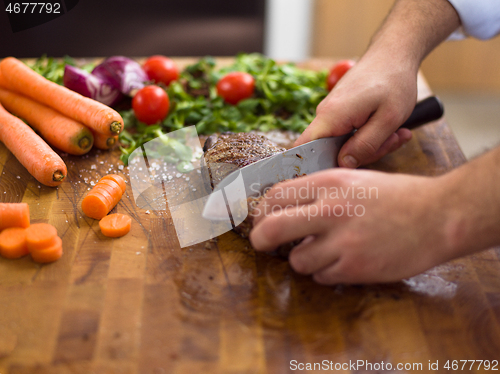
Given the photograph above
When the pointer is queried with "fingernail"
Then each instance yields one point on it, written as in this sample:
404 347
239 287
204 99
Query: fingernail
350 161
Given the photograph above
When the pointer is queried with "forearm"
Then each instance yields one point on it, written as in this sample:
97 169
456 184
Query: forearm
471 196
413 29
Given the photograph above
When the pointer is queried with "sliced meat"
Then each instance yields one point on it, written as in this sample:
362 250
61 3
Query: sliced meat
227 152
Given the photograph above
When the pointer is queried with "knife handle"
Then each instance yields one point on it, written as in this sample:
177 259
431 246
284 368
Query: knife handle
425 111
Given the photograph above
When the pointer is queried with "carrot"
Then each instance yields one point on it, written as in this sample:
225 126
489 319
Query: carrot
115 225
99 117
103 197
58 130
118 179
40 236
31 150
14 215
104 141
50 253
13 242
2 81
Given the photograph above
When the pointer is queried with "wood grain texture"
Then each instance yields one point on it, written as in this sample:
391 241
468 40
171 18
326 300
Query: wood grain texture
140 304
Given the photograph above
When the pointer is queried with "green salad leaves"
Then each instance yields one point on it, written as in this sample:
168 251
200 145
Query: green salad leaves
285 97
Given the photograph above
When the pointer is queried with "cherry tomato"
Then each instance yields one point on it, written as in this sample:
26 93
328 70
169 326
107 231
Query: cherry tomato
151 104
236 86
161 69
337 71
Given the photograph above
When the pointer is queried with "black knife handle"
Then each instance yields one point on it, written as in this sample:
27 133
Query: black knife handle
427 110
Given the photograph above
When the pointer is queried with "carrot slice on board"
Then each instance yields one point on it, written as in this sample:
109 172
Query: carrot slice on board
50 253
95 206
13 242
21 78
115 225
40 236
14 215
118 179
102 197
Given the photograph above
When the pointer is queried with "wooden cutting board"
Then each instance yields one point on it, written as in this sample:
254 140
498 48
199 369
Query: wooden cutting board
141 304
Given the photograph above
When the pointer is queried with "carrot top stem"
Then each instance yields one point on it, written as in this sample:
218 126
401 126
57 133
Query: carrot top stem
115 127
58 176
110 142
84 142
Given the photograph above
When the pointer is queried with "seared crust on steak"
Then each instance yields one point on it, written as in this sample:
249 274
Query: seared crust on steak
228 152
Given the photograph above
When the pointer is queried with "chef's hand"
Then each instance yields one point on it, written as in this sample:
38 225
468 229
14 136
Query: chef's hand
360 226
375 97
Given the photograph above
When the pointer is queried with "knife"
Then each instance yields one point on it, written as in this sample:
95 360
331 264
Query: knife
232 192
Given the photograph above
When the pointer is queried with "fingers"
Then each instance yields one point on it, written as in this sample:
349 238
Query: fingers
284 226
395 141
337 115
366 142
293 192
313 255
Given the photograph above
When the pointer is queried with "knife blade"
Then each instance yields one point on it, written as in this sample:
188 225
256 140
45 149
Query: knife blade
320 154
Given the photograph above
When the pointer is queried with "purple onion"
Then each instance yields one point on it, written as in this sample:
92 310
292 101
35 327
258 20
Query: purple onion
123 73
91 86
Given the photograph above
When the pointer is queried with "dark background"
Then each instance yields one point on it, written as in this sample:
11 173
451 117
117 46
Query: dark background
101 28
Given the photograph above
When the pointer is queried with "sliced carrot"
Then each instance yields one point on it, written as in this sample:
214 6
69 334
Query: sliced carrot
118 179
99 117
103 197
13 242
14 215
58 130
95 206
104 141
115 225
50 253
40 236
31 150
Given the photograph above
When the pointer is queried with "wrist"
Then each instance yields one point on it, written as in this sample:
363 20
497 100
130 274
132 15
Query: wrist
470 204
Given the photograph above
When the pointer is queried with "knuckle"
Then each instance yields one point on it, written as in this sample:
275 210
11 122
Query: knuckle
365 147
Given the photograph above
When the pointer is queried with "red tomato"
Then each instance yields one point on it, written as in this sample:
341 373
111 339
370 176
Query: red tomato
161 69
337 72
151 104
236 86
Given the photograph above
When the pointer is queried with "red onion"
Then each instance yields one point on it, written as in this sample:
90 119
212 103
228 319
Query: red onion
91 86
123 73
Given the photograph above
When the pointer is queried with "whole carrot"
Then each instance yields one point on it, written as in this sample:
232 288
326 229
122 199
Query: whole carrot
104 141
103 197
14 215
58 130
99 117
31 150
